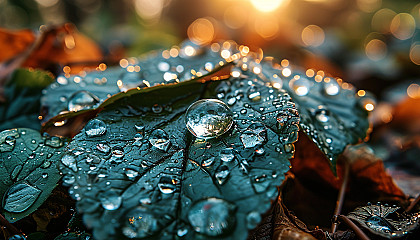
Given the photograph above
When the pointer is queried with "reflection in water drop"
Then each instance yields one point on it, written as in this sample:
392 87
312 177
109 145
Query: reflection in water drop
255 134
300 86
160 140
322 114
166 185
226 155
331 88
95 128
81 100
212 217
110 200
140 223
222 174
103 147
208 118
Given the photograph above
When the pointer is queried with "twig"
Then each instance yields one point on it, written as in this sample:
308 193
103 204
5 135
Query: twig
9 226
340 199
413 204
359 233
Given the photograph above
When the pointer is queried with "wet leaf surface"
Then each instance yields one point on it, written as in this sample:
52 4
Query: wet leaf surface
386 221
331 112
28 170
137 171
88 91
22 99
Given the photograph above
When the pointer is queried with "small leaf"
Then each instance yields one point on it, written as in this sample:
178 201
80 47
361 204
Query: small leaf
385 221
154 69
147 175
28 172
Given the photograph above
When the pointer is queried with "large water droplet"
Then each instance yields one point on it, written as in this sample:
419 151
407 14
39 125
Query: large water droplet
82 100
208 118
160 140
110 200
254 135
69 161
322 115
254 94
212 217
167 185
331 88
226 155
54 142
222 174
252 220
20 197
300 86
103 147
260 183
95 128
140 223
8 140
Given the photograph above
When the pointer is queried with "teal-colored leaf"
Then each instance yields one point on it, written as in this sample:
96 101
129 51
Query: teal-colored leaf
28 171
23 93
138 172
88 91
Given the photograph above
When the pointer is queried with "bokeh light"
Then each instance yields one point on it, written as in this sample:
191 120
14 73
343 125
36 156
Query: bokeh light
381 20
376 50
313 35
268 5
201 31
403 26
415 53
266 26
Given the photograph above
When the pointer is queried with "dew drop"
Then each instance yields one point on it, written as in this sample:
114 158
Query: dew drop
222 174
157 108
300 86
69 161
69 179
95 128
254 135
117 152
254 94
226 155
252 220
331 88
160 140
207 162
54 142
208 118
166 185
259 183
322 114
140 223
130 173
81 100
289 148
44 175
212 216
181 232
103 147
110 200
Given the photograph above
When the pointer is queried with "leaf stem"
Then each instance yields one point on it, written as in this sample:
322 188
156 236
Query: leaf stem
340 199
413 204
359 233
10 227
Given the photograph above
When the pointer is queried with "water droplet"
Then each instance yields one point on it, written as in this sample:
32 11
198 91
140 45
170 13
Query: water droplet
167 185
254 94
259 183
46 164
222 174
110 200
226 155
44 175
160 140
117 152
300 86
331 88
157 108
69 179
254 135
163 66
20 197
231 101
182 232
103 147
252 220
140 223
207 162
260 151
145 201
208 118
95 128
212 217
54 142
243 111
69 161
130 173
289 148
322 114
8 140
82 100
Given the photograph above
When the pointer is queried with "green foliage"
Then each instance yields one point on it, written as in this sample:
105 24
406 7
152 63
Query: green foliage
28 171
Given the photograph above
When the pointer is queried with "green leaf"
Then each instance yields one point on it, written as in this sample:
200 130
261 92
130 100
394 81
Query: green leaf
28 171
331 113
137 171
23 93
88 91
